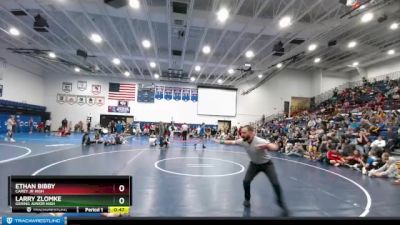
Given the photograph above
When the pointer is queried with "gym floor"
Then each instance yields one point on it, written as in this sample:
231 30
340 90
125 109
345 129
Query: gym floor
182 181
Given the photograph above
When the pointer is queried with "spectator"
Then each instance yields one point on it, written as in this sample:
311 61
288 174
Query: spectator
388 170
335 158
48 125
185 129
355 160
379 144
372 162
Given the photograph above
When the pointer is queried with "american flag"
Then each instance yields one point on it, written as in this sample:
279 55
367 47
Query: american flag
122 91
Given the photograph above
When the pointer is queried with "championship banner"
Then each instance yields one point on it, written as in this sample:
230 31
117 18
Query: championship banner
90 100
119 109
185 94
66 87
168 93
194 95
99 101
159 94
146 93
71 99
96 89
61 98
177 94
81 99
82 85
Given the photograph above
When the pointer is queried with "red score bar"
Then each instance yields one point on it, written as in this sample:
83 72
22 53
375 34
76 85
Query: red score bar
85 189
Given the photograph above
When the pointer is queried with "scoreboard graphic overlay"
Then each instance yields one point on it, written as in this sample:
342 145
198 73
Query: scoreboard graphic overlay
75 194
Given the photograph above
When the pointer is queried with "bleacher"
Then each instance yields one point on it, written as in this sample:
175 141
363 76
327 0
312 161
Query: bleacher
17 106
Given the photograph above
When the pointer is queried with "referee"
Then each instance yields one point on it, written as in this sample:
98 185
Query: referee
260 161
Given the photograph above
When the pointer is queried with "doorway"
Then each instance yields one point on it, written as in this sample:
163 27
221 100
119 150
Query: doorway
224 126
105 119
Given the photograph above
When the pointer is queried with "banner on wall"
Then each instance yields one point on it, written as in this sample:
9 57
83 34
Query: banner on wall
299 104
119 109
168 93
82 85
66 87
90 100
71 99
100 101
122 103
194 95
185 94
96 89
81 99
159 93
146 93
177 93
1 90
61 98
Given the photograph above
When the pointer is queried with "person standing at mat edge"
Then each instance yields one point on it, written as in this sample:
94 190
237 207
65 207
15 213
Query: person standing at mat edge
260 161
10 124
202 133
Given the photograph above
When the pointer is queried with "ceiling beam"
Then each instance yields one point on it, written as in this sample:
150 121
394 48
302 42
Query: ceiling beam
242 32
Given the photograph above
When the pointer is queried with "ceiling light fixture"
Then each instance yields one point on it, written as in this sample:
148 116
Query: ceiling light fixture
249 54
14 31
127 73
312 47
152 64
231 71
52 55
192 79
391 52
220 81
367 17
96 38
222 15
394 26
285 22
135 4
317 60
260 76
355 63
146 43
352 44
156 76
197 68
279 65
206 49
77 69
116 61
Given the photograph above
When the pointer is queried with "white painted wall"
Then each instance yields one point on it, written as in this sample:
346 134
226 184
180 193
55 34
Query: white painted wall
376 70
323 81
331 80
267 99
22 86
383 68
161 110
316 82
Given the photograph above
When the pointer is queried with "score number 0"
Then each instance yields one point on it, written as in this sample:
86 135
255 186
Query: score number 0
121 200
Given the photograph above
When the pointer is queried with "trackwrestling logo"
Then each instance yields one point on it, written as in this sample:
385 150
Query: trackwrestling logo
33 220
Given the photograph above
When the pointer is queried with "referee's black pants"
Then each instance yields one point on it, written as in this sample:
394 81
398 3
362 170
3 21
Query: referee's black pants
269 170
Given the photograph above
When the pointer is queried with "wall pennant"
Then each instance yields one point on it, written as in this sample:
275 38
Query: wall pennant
96 89
66 87
82 85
